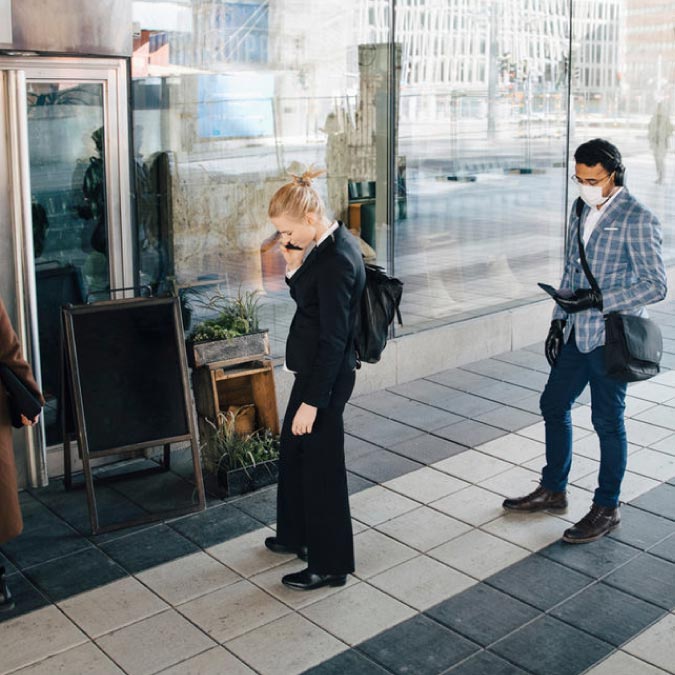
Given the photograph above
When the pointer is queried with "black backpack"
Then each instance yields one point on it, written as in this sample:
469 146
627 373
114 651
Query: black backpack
379 304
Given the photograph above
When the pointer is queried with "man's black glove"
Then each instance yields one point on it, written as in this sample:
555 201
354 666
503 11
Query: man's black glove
583 298
554 341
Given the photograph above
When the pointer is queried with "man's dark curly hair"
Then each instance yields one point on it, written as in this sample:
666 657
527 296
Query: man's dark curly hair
600 151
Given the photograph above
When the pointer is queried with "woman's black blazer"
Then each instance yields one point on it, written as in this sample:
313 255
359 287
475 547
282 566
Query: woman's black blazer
327 289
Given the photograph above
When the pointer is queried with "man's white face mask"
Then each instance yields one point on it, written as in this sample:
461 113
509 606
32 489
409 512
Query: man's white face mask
592 194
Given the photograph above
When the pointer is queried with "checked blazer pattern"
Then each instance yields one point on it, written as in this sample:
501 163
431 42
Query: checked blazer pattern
624 254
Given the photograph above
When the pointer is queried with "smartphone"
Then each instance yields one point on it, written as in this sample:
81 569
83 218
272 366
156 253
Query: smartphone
556 292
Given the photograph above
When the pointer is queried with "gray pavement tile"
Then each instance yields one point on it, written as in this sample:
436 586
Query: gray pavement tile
548 646
418 646
381 465
424 391
665 549
215 525
483 614
427 449
660 500
45 536
596 559
379 430
74 574
468 405
148 548
413 413
462 380
470 433
485 663
71 505
647 577
641 529
261 504
527 359
539 581
347 662
506 417
529 404
504 392
357 483
26 597
357 447
608 614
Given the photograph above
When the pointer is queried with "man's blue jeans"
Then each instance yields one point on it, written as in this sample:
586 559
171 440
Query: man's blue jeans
567 380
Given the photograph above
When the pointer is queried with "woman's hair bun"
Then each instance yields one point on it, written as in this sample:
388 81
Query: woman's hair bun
306 179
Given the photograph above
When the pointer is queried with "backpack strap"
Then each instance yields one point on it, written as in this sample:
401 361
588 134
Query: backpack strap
582 251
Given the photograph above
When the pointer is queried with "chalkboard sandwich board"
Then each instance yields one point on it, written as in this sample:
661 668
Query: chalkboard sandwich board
126 374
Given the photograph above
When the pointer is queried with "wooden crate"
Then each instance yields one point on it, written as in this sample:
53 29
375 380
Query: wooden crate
216 389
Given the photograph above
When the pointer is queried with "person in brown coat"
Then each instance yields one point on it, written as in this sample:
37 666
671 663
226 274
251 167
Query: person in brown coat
11 522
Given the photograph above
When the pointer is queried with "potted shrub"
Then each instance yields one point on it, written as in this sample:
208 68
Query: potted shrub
231 334
236 463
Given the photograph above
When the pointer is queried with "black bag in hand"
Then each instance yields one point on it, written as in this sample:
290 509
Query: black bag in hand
22 401
633 344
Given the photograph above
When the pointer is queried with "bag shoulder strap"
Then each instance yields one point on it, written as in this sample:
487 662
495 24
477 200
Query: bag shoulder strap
579 206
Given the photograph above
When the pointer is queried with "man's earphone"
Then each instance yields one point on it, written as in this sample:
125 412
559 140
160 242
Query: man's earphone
618 169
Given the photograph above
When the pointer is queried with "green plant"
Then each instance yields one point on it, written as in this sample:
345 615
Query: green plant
233 316
227 450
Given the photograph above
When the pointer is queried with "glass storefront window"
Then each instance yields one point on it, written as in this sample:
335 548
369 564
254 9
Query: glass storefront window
447 141
228 101
482 137
623 84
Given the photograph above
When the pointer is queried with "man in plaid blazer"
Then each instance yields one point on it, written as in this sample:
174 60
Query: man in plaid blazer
622 241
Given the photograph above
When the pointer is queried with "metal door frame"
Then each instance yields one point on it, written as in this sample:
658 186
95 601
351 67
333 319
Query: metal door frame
15 73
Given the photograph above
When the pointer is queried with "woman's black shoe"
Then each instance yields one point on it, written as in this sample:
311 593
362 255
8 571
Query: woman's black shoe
6 602
309 581
273 544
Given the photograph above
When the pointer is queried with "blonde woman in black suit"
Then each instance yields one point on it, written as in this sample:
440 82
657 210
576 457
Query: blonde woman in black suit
326 276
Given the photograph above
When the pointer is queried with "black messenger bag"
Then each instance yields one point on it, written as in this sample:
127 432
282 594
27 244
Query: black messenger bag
633 344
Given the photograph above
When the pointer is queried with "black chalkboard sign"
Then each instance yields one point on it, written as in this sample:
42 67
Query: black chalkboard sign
126 370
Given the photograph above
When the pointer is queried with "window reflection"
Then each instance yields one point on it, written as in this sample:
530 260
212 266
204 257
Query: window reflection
477 121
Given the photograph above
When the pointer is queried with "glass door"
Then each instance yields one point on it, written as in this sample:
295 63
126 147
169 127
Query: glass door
69 143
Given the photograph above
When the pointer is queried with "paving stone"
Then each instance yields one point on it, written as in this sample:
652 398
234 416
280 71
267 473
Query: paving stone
660 500
73 574
647 577
427 449
548 646
641 529
417 646
596 559
381 465
539 581
215 525
608 614
483 614
148 548
350 661
485 663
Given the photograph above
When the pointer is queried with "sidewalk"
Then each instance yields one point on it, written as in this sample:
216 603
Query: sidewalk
446 582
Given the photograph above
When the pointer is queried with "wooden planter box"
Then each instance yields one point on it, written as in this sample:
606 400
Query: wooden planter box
242 481
217 353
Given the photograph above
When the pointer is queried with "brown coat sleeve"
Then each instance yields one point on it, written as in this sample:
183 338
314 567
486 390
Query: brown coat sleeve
10 353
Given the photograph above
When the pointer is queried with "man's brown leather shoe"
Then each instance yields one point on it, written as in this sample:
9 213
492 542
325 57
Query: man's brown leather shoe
598 522
542 499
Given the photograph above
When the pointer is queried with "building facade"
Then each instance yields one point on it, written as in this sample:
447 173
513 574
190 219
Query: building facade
142 152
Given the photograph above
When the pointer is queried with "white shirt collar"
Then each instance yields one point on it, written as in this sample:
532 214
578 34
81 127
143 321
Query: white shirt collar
328 232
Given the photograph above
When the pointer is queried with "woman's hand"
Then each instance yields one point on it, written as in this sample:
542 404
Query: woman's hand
292 257
303 420
27 423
